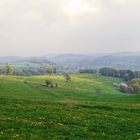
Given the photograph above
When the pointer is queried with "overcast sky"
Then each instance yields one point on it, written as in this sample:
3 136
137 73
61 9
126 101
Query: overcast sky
39 27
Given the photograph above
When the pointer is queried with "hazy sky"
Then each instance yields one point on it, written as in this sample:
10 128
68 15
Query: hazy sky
39 27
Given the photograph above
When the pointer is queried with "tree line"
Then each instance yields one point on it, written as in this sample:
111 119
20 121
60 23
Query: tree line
126 75
10 70
93 71
132 78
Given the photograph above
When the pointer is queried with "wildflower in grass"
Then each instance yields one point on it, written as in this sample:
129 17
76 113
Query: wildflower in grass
85 129
15 136
1 132
94 133
51 122
60 124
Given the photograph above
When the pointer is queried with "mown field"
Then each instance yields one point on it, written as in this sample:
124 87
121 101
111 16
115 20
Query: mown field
86 108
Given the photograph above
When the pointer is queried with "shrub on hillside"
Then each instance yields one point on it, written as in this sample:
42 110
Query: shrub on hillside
134 86
67 77
49 83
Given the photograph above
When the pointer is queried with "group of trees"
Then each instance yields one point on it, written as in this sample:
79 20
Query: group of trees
52 84
37 71
93 71
127 75
132 79
27 71
132 87
50 70
8 70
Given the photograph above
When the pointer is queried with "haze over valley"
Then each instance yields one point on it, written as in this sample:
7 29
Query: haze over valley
69 69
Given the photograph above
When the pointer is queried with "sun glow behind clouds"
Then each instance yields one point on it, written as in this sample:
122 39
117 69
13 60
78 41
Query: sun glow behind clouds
76 8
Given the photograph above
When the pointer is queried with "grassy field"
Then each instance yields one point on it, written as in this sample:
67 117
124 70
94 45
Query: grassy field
86 108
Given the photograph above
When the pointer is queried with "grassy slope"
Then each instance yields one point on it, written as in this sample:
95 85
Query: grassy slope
88 107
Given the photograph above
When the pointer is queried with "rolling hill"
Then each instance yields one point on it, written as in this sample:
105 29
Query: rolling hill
124 60
88 107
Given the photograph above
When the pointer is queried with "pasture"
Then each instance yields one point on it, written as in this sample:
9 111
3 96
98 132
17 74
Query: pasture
88 107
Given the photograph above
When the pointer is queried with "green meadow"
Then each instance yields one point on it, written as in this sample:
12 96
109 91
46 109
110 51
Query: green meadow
88 107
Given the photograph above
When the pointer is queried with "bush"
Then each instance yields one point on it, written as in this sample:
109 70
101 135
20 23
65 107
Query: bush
49 83
134 86
67 77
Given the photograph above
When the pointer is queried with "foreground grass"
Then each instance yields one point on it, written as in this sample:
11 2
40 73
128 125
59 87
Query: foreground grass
88 107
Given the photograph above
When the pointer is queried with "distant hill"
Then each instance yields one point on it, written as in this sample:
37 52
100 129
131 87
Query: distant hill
7 59
25 61
123 60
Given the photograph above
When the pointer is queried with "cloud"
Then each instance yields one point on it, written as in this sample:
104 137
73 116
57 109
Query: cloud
33 27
